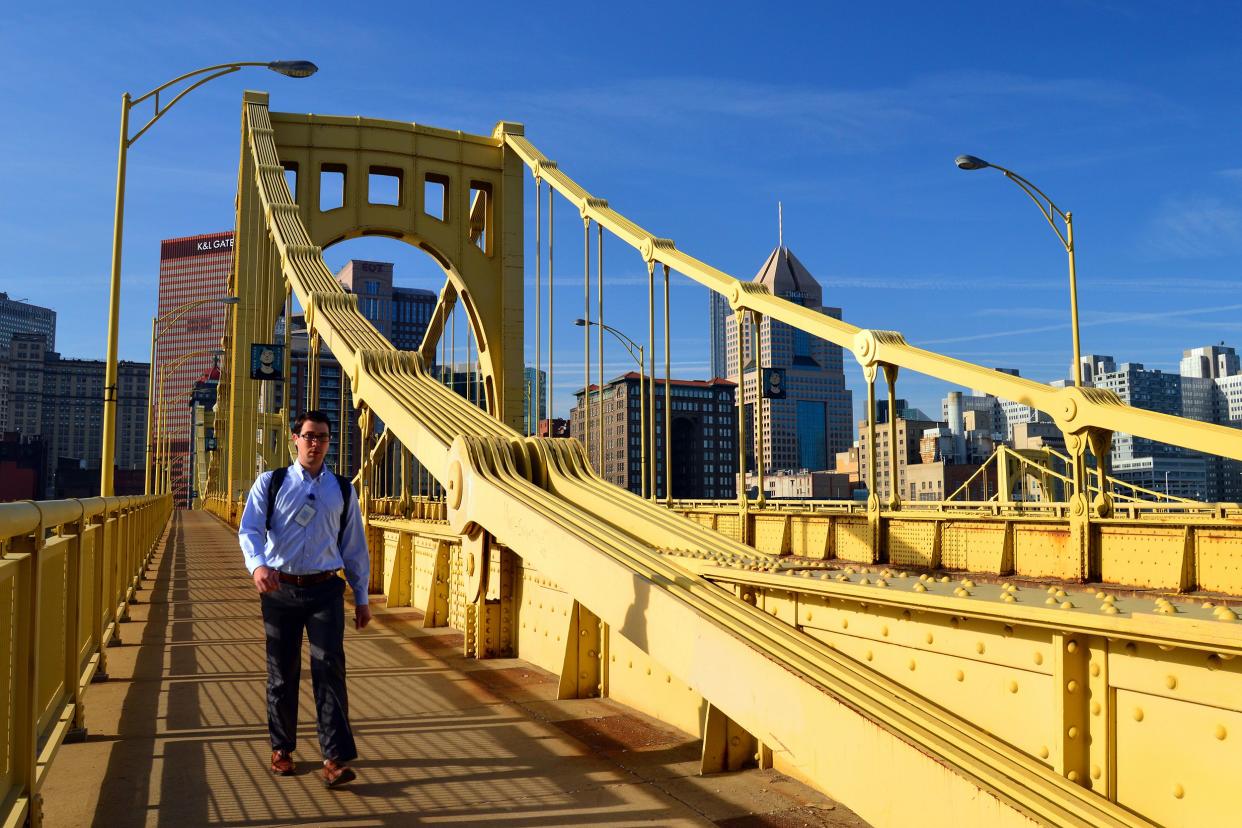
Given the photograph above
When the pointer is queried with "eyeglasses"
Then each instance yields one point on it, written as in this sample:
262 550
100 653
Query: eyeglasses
312 438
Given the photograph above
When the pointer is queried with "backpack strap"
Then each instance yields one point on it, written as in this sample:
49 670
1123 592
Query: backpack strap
347 493
273 487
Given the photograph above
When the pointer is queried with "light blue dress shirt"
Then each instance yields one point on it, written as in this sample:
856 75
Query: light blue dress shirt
301 550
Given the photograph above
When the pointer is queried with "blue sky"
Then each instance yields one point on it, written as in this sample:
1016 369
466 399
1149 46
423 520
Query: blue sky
695 125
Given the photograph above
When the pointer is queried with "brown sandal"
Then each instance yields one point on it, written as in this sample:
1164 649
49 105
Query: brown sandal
335 774
282 763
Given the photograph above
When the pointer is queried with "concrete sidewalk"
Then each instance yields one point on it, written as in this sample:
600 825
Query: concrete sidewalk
178 735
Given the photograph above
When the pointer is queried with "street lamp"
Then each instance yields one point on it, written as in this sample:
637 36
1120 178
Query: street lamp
638 355
156 332
288 68
165 435
1051 212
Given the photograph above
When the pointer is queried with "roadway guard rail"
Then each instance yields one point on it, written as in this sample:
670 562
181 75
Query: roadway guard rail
68 571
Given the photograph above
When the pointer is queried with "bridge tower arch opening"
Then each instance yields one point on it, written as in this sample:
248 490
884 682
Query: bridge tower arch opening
457 197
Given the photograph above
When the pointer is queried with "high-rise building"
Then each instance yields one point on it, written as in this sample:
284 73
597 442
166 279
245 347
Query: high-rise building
1212 391
191 268
17 316
703 440
59 400
1143 461
718 313
812 423
411 313
534 398
400 314
372 283
908 443
1210 361
329 402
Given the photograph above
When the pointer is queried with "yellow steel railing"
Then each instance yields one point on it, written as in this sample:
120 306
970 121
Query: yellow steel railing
68 570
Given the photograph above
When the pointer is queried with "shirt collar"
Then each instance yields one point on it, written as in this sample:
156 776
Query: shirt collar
302 475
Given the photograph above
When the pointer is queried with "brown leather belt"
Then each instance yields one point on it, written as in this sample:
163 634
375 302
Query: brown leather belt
305 580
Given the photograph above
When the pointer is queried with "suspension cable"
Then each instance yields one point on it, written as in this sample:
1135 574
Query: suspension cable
551 232
668 414
535 394
599 333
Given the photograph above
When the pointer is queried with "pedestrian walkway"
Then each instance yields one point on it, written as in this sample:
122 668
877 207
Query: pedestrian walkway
178 735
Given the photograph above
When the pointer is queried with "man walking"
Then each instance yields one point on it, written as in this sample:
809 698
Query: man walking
302 524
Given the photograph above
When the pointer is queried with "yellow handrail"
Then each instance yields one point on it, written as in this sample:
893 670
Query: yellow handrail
67 574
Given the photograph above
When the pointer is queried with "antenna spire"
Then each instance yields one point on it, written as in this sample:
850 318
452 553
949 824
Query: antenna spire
780 224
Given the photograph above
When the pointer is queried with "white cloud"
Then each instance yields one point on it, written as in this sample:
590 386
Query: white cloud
1196 227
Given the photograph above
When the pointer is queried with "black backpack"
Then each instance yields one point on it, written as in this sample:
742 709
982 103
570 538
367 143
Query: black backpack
277 480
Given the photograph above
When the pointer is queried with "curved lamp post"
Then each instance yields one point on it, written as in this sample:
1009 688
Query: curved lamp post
1051 213
168 320
638 355
288 68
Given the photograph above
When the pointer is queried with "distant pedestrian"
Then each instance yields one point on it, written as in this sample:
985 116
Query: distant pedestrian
300 526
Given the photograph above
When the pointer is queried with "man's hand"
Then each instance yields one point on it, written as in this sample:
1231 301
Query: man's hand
266 579
362 616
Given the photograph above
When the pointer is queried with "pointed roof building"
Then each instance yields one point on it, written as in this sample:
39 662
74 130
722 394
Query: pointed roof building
787 277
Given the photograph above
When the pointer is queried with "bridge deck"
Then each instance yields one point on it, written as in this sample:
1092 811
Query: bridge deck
178 735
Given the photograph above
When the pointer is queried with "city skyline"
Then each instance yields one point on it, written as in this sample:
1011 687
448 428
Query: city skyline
857 142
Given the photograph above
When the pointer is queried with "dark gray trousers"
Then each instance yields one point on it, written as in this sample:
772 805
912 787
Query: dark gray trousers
320 610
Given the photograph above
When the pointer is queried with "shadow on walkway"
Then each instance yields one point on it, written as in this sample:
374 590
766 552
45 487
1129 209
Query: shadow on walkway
179 736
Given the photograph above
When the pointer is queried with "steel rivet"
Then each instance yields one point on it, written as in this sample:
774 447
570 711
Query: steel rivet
884 630
1013 687
930 638
1039 658
1178 791
1071 686
1138 714
912 664
1094 668
1043 751
1221 733
1170 682
1095 772
1072 733
979 648
1095 708
1072 776
960 676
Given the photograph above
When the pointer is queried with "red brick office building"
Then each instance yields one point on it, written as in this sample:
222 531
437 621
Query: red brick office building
191 268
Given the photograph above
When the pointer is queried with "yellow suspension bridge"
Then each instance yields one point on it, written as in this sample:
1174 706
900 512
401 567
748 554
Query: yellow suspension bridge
1004 662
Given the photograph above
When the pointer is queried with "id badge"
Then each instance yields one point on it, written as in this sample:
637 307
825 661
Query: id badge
304 515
